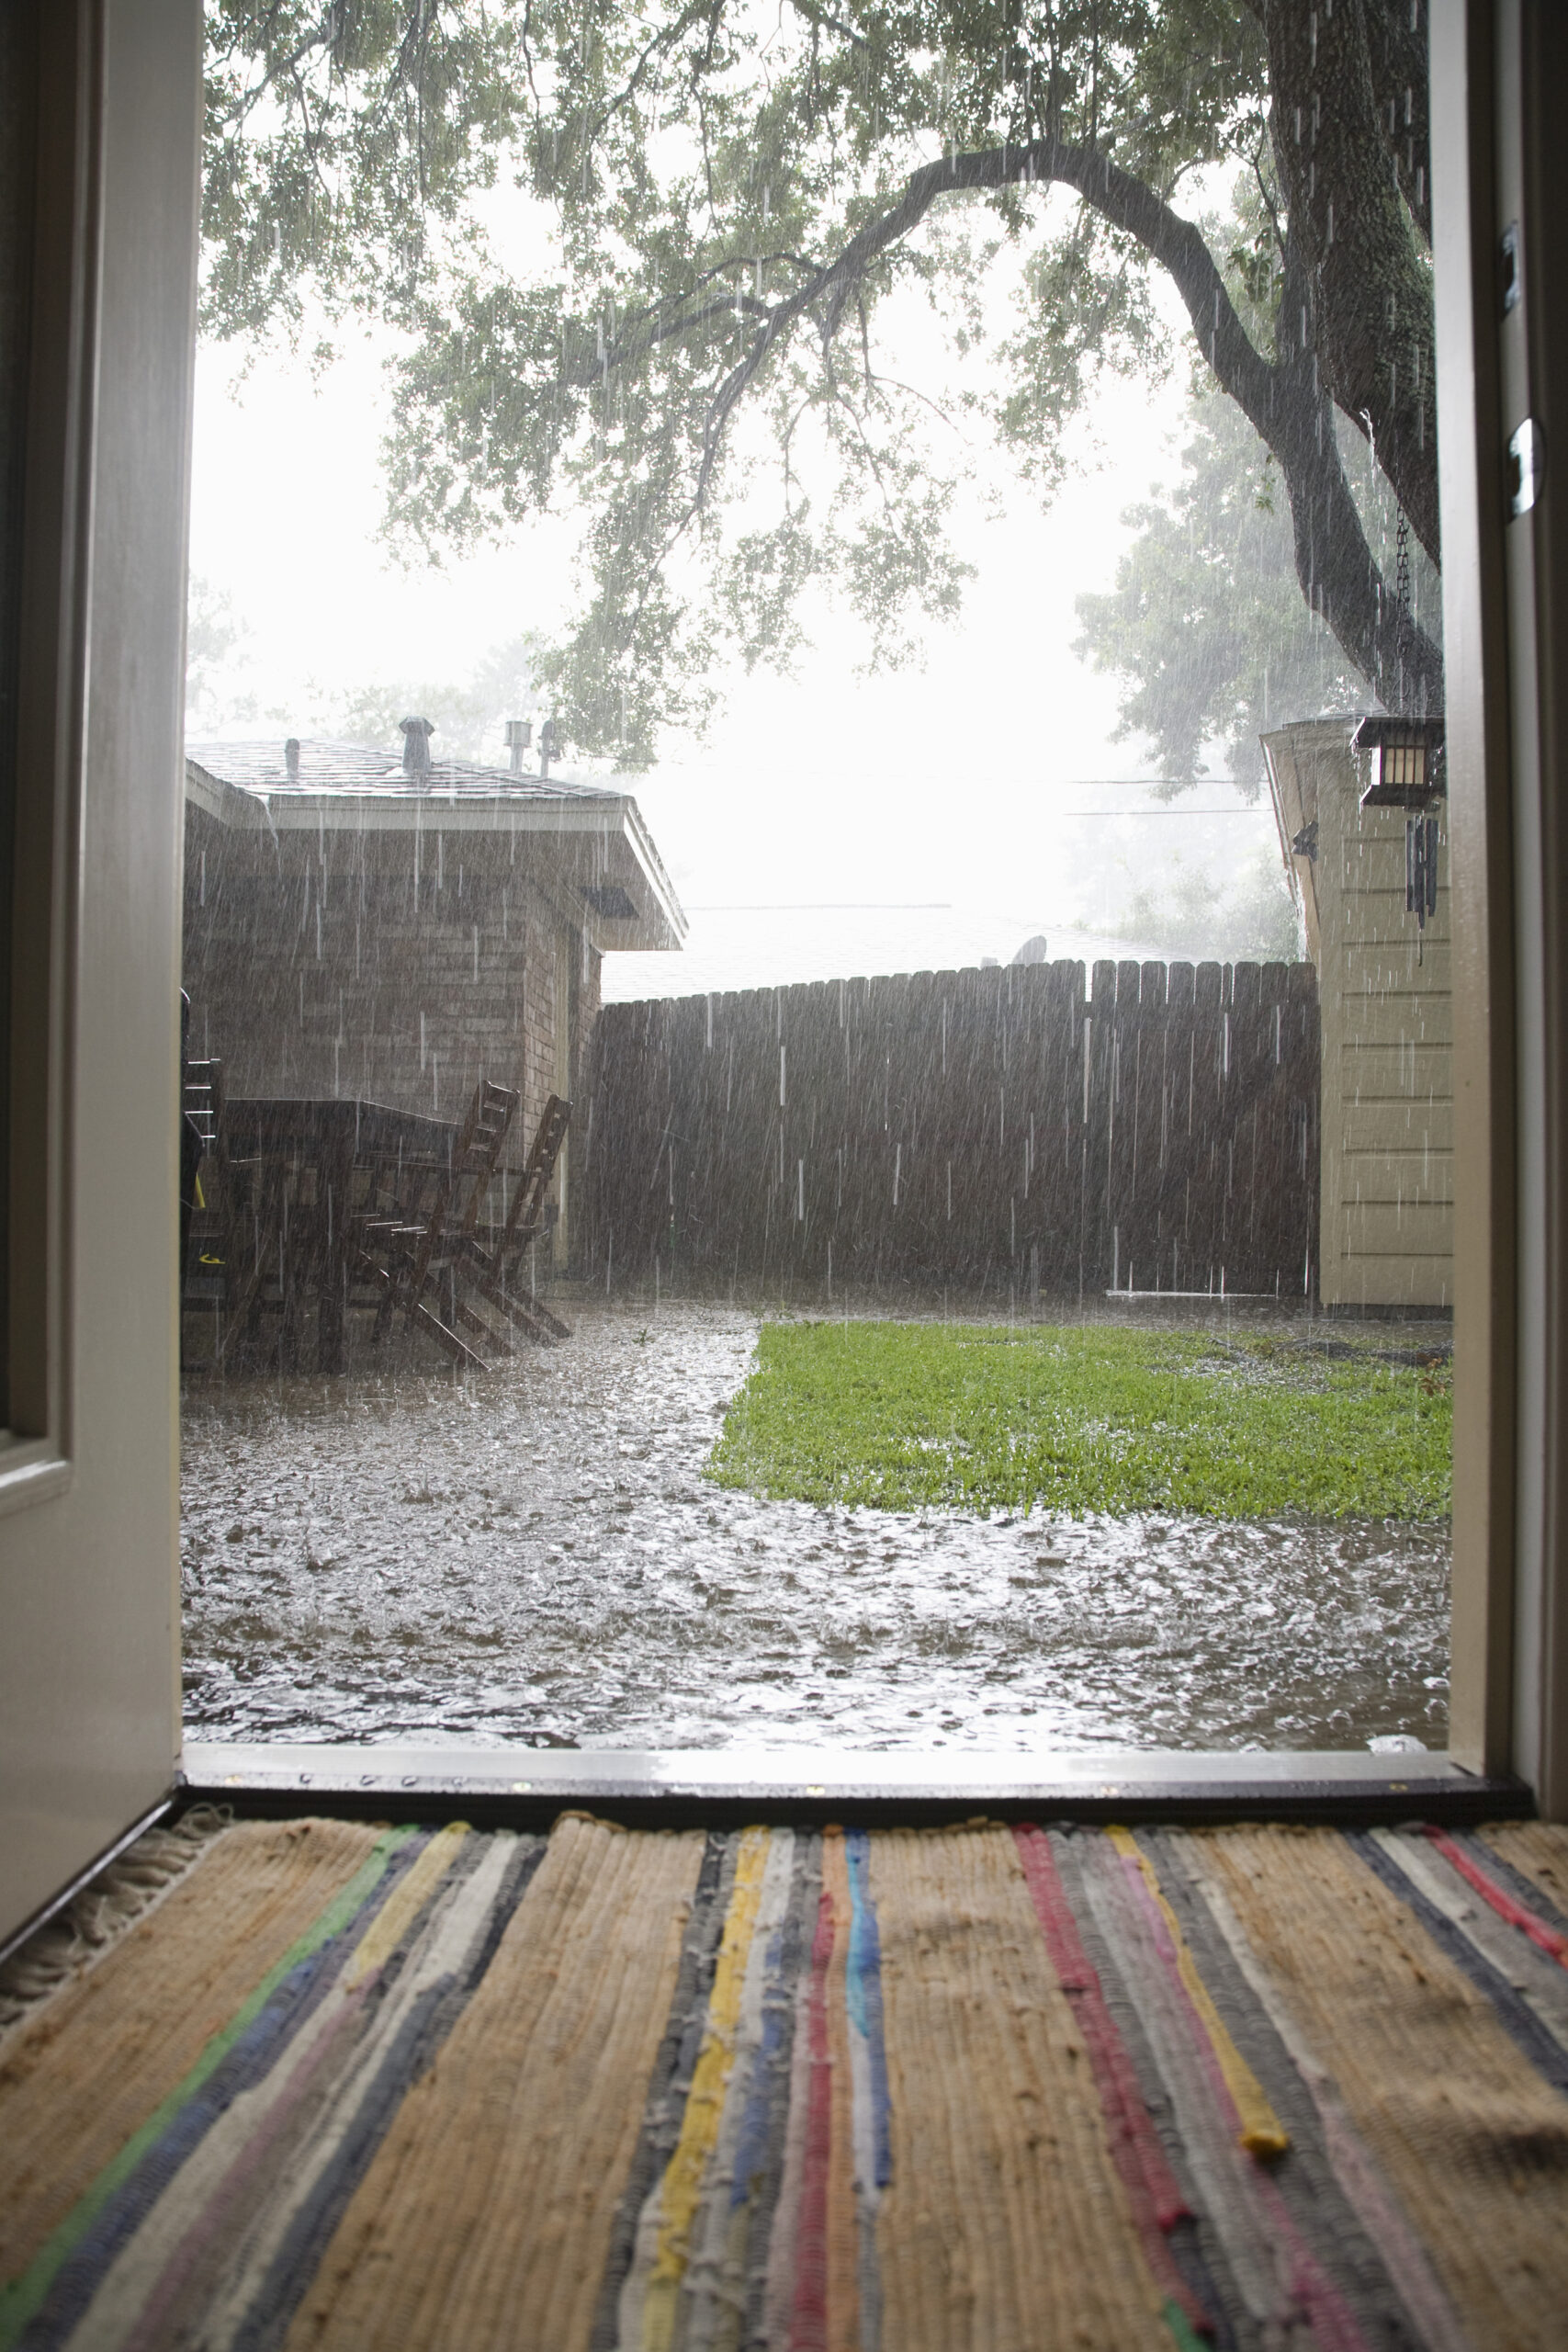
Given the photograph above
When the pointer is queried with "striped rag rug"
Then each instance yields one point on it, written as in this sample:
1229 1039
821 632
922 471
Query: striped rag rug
977 2089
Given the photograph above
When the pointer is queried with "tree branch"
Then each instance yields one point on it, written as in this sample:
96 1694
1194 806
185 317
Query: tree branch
1289 409
1368 294
1398 55
826 17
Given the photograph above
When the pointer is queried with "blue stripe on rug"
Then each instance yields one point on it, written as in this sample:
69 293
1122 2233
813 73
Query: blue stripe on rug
865 1990
256 2050
1515 2016
419 2041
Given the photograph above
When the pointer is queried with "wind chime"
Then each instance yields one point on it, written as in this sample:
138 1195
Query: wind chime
1408 771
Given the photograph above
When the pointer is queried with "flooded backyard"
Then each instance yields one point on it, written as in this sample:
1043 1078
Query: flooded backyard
600 916
536 1556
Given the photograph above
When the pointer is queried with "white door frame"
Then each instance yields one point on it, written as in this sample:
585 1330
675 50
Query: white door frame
90 1658
89 1584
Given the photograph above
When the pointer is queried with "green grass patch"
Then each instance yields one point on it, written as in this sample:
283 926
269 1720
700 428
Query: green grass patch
1091 1417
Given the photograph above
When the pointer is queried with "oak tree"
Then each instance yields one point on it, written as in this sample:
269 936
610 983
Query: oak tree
634 258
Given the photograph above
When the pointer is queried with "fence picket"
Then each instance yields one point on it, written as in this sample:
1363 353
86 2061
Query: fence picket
1004 1128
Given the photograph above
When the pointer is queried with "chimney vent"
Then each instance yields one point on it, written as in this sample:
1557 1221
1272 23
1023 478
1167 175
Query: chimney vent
519 736
292 759
416 733
550 745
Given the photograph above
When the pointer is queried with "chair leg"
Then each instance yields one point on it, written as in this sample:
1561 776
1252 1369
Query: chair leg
246 1303
417 1313
543 1327
465 1356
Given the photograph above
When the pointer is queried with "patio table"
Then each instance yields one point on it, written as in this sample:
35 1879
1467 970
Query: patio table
348 1149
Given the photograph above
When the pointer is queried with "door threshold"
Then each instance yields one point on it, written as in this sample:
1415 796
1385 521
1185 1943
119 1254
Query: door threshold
526 1787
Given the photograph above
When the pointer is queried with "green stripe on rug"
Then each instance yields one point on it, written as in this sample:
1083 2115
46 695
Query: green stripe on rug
1183 2333
23 2297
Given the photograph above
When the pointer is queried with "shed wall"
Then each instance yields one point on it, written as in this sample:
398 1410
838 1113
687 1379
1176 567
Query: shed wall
356 964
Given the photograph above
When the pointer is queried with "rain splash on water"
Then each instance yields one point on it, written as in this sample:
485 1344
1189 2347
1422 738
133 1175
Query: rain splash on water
537 1557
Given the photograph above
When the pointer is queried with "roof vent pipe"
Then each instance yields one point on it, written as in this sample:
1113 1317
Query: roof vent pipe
292 759
519 736
416 733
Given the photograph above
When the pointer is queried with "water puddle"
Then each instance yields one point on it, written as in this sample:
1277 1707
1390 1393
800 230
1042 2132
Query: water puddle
536 1556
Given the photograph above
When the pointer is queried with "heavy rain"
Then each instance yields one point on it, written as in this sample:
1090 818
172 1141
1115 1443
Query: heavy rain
852 746
540 1558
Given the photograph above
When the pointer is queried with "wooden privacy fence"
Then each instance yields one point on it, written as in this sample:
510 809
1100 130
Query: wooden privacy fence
989 1128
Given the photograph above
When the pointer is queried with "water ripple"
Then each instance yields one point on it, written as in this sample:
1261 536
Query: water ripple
536 1556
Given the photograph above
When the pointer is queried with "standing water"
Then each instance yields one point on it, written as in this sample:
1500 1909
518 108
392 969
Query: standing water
538 1557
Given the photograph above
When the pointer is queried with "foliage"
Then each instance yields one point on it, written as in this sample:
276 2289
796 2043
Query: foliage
675 320
1205 622
1194 916
342 139
214 650
1087 1418
467 714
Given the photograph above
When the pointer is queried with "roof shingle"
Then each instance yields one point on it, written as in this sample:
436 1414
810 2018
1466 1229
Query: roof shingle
326 765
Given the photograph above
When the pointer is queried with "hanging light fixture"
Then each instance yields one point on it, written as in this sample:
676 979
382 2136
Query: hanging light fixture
1406 762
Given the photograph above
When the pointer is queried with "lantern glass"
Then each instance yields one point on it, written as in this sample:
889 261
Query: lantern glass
1402 766
1405 759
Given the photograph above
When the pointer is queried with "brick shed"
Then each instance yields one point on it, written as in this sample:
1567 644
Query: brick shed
360 922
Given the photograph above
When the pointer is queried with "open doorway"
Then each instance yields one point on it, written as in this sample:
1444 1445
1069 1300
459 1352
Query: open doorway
885 748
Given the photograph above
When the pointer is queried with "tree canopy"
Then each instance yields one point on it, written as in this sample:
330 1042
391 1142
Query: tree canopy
1206 624
671 320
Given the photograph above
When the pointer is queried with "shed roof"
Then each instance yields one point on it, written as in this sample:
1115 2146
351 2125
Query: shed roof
592 838
326 764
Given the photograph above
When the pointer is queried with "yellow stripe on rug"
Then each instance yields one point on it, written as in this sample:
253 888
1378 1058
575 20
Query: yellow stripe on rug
484 2220
404 1906
1006 2221
1261 2133
81 2081
704 2103
1474 2143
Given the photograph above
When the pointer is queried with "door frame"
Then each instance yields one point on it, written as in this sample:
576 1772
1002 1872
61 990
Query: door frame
89 1674
89 1581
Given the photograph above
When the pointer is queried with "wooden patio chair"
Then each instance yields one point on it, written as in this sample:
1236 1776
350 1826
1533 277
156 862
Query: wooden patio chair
418 1264
234 1263
203 1269
494 1275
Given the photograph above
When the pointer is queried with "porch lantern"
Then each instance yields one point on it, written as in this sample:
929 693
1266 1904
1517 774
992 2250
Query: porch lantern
1407 762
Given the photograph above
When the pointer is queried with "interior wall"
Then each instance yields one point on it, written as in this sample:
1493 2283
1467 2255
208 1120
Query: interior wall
89 1659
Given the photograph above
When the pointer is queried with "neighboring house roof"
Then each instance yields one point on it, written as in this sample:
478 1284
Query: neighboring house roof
592 837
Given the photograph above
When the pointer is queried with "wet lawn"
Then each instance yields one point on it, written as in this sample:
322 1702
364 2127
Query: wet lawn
1091 1418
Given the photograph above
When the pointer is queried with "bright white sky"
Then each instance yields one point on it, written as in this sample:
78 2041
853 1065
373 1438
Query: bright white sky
946 785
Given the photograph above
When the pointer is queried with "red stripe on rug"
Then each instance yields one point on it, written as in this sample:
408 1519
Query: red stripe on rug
1152 2187
808 2317
1546 1939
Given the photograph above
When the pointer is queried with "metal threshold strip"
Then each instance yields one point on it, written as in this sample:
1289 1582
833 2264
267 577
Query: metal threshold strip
668 1787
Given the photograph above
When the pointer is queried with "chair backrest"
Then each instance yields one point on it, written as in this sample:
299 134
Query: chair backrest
203 1103
523 1218
478 1148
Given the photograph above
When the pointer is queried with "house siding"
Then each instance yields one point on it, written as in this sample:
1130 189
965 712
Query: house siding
1387 1006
